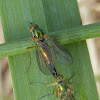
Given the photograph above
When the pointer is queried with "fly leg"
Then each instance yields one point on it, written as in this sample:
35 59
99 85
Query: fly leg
49 94
43 84
73 95
46 86
68 79
64 97
29 56
70 83
52 36
31 47
71 90
32 38
57 94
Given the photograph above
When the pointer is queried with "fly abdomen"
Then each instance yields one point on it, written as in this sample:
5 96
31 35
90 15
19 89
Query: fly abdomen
52 70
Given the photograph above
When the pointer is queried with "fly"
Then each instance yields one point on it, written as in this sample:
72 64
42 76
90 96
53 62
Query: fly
61 88
48 51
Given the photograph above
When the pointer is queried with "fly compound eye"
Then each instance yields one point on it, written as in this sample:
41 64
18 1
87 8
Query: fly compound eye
31 29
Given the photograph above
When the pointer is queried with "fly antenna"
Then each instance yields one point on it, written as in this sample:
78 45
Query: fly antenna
71 77
38 83
32 23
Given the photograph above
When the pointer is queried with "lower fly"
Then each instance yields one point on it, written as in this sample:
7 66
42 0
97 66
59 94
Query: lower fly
61 88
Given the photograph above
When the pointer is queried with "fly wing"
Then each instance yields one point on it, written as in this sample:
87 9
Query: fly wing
61 54
41 62
68 96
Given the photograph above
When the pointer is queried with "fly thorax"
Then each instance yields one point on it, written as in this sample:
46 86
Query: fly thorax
59 82
58 79
62 90
38 34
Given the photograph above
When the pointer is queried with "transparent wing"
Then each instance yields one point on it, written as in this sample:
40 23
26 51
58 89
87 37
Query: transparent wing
41 62
45 58
68 96
54 53
61 54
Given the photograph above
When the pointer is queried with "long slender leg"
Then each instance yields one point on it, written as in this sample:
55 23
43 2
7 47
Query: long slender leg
29 56
47 86
49 94
32 38
64 97
43 84
54 89
30 62
69 83
73 96
51 84
31 47
71 90
66 79
57 94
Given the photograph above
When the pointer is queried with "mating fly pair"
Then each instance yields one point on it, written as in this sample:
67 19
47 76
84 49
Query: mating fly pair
49 52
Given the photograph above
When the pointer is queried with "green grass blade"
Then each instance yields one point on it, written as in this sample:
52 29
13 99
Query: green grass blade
63 36
51 16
